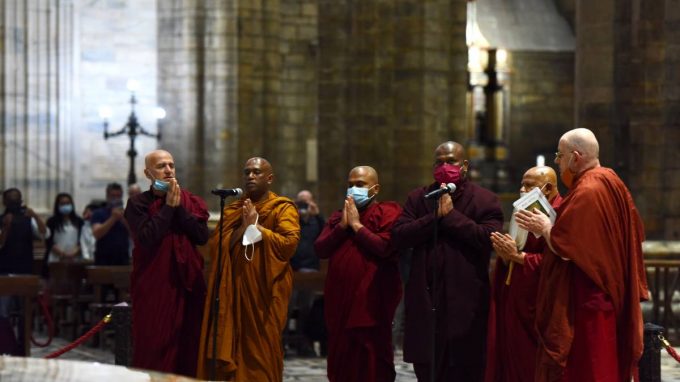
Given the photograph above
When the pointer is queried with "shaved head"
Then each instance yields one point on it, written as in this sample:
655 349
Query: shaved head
545 173
366 172
364 177
451 147
583 141
452 153
151 157
305 196
159 165
258 177
262 163
543 177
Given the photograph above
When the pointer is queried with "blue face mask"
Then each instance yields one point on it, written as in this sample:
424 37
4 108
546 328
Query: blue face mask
66 209
161 185
360 196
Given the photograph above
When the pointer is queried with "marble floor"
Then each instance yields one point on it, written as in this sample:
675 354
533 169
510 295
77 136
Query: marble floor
299 369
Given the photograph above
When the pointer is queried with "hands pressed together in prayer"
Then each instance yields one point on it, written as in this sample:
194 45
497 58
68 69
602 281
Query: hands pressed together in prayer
350 215
534 221
445 203
248 213
172 197
505 248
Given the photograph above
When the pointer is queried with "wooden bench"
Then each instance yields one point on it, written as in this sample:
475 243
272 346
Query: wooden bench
664 280
26 287
100 277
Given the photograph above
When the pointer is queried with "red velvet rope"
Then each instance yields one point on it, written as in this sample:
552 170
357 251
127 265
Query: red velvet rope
82 338
42 301
669 348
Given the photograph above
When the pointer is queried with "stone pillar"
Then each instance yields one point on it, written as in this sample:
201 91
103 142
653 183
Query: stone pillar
392 85
239 79
626 92
36 90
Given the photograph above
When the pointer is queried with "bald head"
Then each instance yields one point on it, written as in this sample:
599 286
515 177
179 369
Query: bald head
305 196
258 176
159 165
544 178
364 177
580 150
452 153
451 147
152 157
365 172
583 141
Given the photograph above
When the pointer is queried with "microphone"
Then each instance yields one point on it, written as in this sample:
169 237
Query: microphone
439 192
224 192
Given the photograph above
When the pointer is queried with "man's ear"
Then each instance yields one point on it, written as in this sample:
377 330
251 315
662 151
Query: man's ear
548 188
270 178
376 189
147 174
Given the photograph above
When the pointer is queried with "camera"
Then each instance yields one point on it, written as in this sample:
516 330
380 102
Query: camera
303 207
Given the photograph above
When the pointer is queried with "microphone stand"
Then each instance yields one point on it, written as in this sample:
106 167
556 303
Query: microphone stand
215 305
433 290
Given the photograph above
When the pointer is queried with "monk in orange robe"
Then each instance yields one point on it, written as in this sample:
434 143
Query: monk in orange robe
588 312
256 282
363 285
512 341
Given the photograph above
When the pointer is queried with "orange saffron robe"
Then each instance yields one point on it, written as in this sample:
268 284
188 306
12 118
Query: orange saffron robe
600 231
253 295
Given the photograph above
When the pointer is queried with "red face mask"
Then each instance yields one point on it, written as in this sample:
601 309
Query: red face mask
447 173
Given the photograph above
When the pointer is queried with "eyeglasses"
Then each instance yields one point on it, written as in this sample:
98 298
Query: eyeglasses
558 155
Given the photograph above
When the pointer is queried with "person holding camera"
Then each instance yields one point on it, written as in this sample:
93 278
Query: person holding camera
111 230
311 225
20 225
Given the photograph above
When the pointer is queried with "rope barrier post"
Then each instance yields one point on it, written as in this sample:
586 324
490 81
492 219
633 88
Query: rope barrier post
122 327
650 363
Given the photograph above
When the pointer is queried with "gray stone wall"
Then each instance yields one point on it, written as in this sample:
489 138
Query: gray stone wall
392 86
116 42
36 98
541 92
626 91
240 81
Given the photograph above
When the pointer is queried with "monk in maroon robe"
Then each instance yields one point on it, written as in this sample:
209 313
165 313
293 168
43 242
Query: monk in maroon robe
363 286
512 340
588 312
167 284
465 221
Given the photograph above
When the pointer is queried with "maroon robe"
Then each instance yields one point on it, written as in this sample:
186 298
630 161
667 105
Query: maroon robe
363 289
463 252
167 284
512 340
588 312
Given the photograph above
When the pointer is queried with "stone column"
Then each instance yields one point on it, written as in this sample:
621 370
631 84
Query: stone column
36 89
239 79
392 85
626 92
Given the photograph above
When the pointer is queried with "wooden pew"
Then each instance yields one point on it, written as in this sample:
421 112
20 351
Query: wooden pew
26 287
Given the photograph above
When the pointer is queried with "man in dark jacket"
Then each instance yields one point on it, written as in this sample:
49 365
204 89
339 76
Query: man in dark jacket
465 219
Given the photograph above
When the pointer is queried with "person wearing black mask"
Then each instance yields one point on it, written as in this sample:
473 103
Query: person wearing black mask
19 225
311 224
111 230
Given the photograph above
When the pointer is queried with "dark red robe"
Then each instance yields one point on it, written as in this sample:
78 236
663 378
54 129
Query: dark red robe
363 289
588 312
167 284
512 340
463 252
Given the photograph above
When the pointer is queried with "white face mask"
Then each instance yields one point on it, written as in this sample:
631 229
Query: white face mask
250 237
